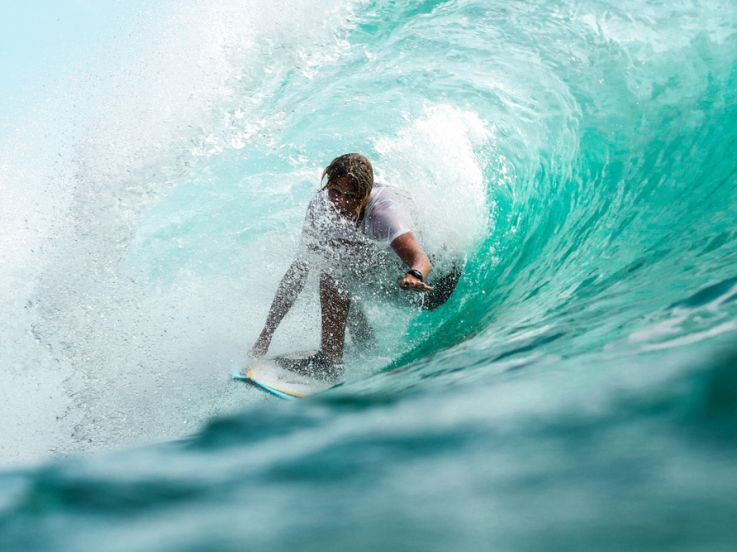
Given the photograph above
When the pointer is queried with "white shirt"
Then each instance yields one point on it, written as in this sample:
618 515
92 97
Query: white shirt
388 215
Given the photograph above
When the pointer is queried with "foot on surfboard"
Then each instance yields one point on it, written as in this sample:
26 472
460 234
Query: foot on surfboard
317 366
291 376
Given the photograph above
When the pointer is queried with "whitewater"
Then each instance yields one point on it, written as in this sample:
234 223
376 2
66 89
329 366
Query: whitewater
577 391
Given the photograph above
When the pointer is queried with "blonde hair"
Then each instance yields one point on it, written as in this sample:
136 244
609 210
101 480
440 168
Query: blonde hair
359 172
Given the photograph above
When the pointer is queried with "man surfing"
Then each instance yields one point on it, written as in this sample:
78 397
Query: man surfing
353 227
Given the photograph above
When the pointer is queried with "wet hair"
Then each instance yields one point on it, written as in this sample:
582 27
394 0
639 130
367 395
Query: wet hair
357 169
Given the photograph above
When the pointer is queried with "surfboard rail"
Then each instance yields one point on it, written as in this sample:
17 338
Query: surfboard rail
268 375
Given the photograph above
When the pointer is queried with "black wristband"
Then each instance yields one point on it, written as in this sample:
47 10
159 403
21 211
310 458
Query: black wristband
416 273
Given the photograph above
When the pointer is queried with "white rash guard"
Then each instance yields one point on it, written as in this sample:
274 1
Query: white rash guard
359 256
387 216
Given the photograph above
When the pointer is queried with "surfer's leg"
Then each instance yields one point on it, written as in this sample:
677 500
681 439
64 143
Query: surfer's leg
443 288
361 331
334 306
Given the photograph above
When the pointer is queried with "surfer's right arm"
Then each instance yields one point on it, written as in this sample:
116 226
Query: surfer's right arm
291 285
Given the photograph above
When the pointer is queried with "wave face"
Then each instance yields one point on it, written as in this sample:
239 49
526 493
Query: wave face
577 391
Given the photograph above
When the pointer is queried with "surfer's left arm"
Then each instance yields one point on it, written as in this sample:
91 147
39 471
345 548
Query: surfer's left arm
410 251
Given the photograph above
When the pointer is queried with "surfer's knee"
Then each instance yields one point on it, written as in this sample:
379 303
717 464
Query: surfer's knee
443 288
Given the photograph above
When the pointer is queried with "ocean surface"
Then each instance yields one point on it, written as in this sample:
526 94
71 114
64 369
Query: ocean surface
578 391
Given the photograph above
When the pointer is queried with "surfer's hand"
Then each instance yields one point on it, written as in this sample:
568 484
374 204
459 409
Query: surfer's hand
411 282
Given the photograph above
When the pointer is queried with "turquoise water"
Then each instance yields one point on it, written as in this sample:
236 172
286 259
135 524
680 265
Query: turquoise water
577 392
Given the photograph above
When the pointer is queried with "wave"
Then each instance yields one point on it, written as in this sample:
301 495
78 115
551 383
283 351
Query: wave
577 384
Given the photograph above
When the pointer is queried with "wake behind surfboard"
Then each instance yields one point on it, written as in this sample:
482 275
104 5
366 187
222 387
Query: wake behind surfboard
271 375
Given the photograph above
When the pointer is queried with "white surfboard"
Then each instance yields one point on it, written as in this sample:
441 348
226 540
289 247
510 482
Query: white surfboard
266 374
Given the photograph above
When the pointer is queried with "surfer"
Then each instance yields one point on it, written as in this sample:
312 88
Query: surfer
353 226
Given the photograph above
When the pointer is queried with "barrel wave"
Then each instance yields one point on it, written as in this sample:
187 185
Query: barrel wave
576 392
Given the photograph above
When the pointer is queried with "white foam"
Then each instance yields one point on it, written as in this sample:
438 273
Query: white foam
434 158
92 358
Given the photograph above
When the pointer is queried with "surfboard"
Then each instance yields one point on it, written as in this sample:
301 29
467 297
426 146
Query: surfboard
268 375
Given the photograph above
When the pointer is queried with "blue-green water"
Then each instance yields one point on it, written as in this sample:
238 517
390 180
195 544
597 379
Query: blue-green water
579 391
